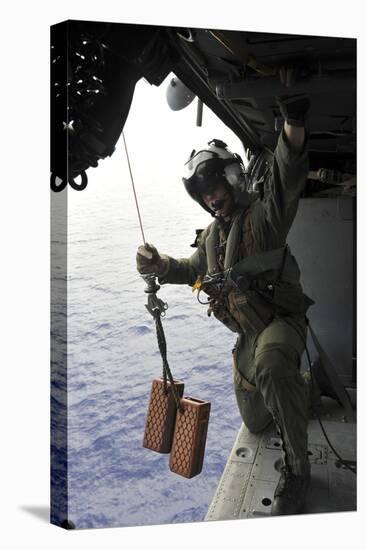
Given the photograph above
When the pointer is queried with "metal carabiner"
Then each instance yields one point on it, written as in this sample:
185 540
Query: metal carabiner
154 304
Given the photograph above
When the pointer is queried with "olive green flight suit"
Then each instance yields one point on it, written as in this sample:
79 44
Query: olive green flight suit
267 358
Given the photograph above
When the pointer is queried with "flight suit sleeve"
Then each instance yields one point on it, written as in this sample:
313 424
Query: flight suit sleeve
187 270
284 185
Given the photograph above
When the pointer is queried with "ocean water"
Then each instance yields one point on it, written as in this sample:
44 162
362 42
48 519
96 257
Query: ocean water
112 352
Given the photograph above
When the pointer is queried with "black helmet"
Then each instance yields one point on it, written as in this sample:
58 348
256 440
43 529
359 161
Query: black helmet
208 167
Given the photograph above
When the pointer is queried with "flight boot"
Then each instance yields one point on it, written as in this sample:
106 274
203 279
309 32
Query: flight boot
290 494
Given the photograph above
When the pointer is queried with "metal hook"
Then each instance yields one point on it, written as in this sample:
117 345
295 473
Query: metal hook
154 304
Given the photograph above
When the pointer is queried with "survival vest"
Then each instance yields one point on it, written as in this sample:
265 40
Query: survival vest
267 282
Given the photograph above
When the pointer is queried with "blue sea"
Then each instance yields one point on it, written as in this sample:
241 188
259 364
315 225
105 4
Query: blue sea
112 351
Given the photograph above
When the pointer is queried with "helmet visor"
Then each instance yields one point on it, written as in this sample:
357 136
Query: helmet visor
206 169
196 159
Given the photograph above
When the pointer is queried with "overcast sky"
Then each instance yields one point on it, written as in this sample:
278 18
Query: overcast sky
159 142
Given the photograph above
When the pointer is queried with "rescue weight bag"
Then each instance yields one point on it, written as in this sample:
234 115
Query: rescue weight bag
161 414
190 434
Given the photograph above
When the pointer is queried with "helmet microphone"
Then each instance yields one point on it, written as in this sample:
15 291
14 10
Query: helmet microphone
217 205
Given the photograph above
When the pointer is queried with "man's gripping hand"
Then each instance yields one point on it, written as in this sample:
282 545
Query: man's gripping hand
294 108
148 260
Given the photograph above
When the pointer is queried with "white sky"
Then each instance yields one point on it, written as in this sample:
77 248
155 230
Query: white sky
176 131
160 140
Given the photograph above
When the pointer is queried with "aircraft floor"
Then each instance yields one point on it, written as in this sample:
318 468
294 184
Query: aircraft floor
251 474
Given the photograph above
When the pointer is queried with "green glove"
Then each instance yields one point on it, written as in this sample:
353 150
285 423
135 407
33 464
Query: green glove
148 260
294 108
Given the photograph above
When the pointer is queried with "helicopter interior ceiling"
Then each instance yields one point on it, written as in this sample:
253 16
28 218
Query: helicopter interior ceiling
238 74
241 73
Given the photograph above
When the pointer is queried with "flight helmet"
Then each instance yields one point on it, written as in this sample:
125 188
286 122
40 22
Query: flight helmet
212 165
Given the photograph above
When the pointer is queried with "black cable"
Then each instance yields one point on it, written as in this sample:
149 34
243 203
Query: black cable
220 292
341 460
198 298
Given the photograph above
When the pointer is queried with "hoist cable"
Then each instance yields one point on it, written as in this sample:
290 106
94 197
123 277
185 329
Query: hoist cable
167 375
133 188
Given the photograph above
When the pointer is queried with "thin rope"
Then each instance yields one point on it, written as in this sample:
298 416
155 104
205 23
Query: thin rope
133 187
167 375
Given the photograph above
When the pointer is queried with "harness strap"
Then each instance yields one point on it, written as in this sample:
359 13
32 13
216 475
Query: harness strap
211 241
233 240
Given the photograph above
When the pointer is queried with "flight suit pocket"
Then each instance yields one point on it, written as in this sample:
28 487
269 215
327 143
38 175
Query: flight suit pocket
251 312
223 314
